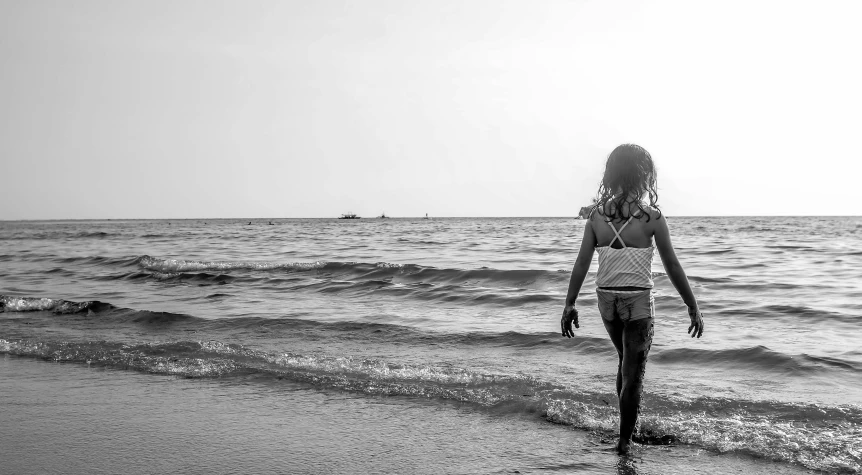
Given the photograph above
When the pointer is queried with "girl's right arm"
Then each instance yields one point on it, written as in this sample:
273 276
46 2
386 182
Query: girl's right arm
677 275
579 273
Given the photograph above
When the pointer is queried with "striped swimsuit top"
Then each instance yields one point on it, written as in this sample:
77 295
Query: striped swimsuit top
625 267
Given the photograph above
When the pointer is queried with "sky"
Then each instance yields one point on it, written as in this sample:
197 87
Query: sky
282 109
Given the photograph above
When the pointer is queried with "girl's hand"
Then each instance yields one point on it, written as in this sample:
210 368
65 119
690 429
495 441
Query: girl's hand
696 327
570 315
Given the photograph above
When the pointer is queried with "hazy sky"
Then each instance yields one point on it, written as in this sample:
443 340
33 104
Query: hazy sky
173 109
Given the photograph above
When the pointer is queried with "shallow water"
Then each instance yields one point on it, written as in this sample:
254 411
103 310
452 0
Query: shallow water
464 310
70 419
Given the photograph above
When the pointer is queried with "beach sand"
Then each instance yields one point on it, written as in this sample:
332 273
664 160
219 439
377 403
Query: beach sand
71 418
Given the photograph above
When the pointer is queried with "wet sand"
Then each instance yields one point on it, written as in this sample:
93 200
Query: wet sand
71 418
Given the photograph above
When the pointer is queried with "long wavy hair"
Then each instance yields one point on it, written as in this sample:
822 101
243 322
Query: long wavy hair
629 175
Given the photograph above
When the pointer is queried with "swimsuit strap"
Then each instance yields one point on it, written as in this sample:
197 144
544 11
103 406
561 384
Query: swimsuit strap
618 232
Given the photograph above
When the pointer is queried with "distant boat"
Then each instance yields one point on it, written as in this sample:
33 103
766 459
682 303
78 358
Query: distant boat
426 216
383 216
349 216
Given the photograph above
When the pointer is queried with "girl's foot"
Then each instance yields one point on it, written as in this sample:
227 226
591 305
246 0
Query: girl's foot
623 447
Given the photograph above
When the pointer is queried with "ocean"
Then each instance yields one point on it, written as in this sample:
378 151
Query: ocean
444 320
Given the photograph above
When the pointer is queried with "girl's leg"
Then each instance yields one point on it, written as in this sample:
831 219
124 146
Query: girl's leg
615 331
636 340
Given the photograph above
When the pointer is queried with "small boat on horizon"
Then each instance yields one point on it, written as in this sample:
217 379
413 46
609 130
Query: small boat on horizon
383 216
349 216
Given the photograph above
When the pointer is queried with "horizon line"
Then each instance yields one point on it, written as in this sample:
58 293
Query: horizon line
574 217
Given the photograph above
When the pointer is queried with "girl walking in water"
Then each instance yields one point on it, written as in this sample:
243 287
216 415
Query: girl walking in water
622 228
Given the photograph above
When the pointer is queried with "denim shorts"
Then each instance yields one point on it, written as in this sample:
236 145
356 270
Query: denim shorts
627 305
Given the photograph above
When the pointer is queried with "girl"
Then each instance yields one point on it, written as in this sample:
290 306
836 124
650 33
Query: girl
621 227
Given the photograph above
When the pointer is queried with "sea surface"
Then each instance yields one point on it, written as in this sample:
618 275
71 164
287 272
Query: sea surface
463 311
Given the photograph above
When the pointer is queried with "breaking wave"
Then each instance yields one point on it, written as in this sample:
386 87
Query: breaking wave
816 436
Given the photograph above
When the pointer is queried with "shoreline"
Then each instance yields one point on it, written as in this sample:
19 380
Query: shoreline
72 418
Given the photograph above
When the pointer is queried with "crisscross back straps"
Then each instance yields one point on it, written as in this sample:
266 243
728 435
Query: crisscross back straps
617 233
